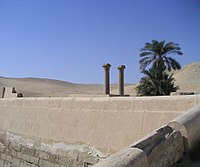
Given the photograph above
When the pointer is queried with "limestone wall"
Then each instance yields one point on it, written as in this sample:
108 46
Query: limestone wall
189 126
108 123
163 147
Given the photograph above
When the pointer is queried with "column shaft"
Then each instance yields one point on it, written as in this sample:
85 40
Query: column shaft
121 80
106 78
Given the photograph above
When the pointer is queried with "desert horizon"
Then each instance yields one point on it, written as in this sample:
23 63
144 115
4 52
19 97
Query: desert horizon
188 79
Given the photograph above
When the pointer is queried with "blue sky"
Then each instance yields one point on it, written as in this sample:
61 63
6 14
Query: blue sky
71 39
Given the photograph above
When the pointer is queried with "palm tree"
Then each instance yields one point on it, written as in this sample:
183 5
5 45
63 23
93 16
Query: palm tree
158 54
156 83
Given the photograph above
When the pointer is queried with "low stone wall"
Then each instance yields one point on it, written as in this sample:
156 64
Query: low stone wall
189 126
108 123
163 147
18 152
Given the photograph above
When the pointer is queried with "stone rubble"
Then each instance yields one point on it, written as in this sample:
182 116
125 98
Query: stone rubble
18 152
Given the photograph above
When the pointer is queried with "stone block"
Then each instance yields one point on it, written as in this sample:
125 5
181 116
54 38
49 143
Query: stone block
19 155
3 156
53 102
28 150
118 104
15 162
15 146
81 103
164 103
33 165
1 162
2 148
34 160
5 142
188 125
14 153
163 147
56 165
128 157
100 104
67 103
54 158
79 164
26 157
25 164
72 154
66 161
8 151
86 158
7 164
3 135
42 154
153 120
44 163
9 158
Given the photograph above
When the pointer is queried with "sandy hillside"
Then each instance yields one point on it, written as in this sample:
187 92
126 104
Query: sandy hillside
188 79
40 87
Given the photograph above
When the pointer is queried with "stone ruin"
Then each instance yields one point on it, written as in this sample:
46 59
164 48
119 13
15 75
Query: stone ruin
10 92
16 151
107 79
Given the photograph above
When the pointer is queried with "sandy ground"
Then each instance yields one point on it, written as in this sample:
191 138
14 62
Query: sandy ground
188 79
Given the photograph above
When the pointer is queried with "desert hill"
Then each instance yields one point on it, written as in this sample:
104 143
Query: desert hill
42 87
188 79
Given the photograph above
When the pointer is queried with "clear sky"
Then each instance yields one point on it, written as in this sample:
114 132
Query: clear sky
70 39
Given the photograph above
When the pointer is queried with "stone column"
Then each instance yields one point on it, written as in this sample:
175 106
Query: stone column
121 79
106 78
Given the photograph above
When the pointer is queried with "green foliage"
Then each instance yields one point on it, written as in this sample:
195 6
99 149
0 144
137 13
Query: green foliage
156 83
156 80
157 53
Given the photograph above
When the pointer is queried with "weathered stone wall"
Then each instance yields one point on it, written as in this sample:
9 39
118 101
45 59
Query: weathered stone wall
163 147
18 152
108 123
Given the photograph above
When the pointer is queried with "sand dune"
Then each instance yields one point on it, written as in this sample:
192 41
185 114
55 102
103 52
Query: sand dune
188 79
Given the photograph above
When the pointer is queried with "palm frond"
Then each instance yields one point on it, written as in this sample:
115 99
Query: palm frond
146 53
178 52
174 64
144 65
